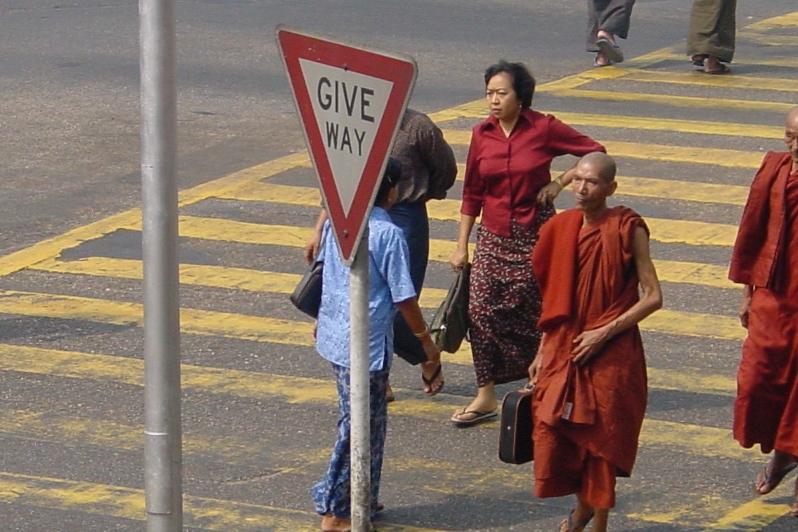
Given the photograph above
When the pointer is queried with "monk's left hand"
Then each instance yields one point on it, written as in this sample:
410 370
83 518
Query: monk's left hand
588 344
548 193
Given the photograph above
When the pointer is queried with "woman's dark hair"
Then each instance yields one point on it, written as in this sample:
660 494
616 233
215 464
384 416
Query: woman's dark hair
523 82
393 171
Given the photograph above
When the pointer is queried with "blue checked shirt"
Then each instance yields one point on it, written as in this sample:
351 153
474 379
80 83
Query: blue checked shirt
390 283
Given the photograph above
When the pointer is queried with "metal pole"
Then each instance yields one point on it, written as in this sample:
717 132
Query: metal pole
162 417
359 388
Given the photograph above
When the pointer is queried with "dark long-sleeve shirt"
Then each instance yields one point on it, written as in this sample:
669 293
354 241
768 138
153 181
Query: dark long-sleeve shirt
428 164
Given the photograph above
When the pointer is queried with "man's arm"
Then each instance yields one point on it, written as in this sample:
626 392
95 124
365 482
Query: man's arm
587 344
312 247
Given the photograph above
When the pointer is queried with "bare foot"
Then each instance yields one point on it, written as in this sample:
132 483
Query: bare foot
432 376
713 65
389 397
774 473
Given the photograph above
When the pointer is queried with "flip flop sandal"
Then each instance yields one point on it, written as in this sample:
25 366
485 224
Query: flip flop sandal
772 478
722 69
433 390
698 60
479 417
577 526
601 65
612 51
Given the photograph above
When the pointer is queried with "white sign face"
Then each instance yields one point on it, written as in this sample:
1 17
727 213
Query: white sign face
348 107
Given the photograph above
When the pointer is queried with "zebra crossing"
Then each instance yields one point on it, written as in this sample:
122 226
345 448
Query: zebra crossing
50 281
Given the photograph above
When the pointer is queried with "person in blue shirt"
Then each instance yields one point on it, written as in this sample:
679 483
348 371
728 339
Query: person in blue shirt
390 289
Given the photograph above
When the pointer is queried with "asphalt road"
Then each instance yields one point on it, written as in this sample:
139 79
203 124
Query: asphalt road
259 407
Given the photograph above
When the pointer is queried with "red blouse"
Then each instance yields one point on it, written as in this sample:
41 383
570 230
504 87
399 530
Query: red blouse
504 174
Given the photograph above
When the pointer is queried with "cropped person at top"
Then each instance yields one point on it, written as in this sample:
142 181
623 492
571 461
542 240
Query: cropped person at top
508 182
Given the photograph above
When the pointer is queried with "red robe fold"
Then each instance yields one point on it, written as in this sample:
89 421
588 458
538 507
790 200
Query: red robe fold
766 256
587 420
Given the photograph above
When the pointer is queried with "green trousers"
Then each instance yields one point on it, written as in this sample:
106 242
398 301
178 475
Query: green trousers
712 28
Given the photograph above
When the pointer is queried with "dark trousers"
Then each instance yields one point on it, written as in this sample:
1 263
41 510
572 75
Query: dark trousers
413 221
613 16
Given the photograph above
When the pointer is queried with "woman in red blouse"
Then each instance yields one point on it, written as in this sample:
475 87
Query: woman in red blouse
508 181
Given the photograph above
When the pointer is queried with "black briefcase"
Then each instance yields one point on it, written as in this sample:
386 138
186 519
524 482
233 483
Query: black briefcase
515 438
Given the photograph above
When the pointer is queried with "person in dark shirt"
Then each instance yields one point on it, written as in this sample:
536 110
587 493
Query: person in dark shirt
429 170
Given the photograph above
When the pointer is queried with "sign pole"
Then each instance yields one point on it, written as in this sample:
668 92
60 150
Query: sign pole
162 416
360 444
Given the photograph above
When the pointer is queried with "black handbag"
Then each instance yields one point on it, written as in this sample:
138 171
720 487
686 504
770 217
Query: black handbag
307 294
515 438
450 323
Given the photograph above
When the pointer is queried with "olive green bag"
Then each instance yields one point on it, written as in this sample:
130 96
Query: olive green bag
450 323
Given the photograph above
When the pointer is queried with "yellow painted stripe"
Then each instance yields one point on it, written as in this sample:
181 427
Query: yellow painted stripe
692 233
666 231
692 102
284 283
52 247
201 275
262 329
680 437
767 40
671 189
725 82
782 61
782 21
690 380
697 273
128 503
193 321
70 430
661 124
656 152
754 515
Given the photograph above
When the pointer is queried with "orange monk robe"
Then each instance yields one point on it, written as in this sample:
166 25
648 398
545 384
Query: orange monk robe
588 419
766 256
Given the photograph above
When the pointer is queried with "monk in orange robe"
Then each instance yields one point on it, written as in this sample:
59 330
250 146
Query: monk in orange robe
765 260
590 372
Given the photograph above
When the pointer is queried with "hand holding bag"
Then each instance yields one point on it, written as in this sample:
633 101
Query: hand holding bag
307 294
450 323
515 439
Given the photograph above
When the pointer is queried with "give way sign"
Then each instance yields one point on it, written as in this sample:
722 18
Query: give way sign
351 100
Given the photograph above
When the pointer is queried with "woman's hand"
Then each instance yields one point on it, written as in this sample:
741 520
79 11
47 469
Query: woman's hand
311 250
459 259
548 193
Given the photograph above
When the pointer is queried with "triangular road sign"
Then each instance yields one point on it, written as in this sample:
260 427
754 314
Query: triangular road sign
351 101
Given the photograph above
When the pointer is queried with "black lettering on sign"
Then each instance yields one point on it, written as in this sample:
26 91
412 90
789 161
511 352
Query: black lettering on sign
354 98
336 132
325 100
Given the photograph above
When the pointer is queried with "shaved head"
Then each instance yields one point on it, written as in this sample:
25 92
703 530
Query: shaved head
601 163
792 119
